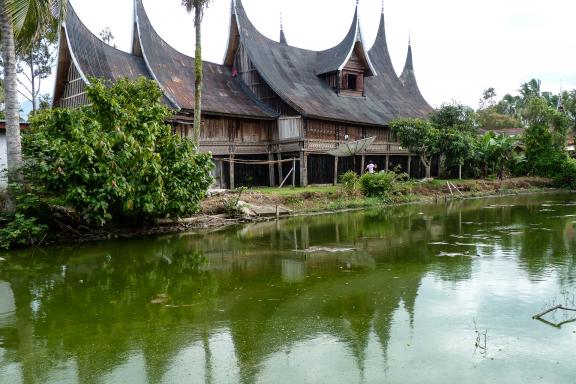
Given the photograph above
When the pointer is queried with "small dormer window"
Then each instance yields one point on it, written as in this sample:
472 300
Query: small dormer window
352 83
350 80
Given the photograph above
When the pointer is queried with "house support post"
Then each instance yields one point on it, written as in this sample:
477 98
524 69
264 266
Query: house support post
280 170
363 164
303 169
271 168
222 181
232 186
409 169
293 173
335 170
387 166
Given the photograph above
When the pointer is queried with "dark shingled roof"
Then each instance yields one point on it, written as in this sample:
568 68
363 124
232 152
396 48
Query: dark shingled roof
174 71
96 58
292 73
388 87
333 59
408 79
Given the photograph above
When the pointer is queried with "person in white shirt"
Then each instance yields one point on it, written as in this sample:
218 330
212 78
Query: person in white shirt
371 167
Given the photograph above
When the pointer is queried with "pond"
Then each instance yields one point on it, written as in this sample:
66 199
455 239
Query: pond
414 294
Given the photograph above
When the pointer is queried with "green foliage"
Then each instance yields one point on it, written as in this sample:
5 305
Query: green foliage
419 137
566 175
116 159
232 206
545 137
380 184
455 116
491 119
495 154
349 181
22 231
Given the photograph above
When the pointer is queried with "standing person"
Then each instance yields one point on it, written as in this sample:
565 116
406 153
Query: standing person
371 167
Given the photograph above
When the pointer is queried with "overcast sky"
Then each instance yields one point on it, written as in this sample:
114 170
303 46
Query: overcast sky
460 47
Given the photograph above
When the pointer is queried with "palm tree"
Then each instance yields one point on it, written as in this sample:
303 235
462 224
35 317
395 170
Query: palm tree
12 107
21 22
198 6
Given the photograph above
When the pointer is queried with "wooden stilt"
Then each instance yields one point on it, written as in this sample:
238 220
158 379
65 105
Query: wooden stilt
303 169
293 173
409 170
280 170
335 170
387 167
232 186
363 164
222 181
271 169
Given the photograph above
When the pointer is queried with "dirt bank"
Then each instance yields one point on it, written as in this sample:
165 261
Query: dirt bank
216 213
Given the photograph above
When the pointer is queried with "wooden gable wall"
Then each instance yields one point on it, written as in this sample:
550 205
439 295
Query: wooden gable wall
250 76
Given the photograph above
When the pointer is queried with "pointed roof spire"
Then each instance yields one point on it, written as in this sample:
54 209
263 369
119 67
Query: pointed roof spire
560 105
283 40
408 79
335 58
379 52
409 63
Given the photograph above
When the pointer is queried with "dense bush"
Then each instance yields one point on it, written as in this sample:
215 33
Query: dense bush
349 181
22 231
380 184
566 175
545 138
116 159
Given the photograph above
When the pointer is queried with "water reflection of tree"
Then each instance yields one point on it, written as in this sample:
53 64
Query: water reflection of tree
93 305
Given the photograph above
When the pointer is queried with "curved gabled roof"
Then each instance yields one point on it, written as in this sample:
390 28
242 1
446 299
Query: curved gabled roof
335 58
388 87
174 72
408 80
94 58
292 74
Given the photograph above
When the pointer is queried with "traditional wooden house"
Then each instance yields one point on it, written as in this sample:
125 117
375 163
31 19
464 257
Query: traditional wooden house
268 103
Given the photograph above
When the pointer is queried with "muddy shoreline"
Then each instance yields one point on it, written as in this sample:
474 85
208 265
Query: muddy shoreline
212 219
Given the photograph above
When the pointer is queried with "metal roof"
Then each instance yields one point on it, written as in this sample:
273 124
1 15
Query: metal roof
174 71
94 58
293 74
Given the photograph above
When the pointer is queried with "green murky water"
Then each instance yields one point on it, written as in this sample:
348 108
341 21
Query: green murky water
415 294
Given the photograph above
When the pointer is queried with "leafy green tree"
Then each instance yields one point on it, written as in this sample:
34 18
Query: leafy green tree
488 98
530 89
503 151
494 153
35 63
455 116
457 124
545 137
198 7
419 137
509 106
116 159
458 147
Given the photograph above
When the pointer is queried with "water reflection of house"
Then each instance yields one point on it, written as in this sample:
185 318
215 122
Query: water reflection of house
268 101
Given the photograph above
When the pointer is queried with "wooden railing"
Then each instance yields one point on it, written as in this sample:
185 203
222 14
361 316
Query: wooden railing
221 147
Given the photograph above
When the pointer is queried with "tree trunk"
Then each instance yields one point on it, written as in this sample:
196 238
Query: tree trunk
199 76
33 88
427 162
13 146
